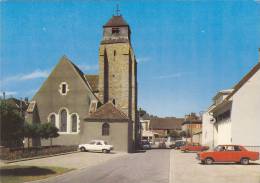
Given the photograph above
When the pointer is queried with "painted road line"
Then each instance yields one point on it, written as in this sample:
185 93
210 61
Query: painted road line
171 171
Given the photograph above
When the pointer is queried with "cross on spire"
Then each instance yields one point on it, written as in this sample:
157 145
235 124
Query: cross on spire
117 10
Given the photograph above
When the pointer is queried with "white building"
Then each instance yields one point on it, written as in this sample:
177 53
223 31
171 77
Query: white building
236 113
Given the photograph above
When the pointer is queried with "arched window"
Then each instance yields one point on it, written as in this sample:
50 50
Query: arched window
52 119
63 121
74 123
105 129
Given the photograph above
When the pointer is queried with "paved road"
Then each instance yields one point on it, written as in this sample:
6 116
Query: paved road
148 167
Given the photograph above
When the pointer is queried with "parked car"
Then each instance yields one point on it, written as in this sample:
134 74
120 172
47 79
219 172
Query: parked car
178 144
228 153
194 147
162 145
96 145
169 142
145 144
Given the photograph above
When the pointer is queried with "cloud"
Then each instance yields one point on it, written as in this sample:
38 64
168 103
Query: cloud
143 59
8 93
175 75
35 74
44 29
24 77
88 67
202 31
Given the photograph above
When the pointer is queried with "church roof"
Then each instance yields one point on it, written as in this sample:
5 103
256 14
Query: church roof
116 21
170 123
81 74
108 112
93 81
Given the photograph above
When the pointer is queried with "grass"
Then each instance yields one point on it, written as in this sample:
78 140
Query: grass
18 174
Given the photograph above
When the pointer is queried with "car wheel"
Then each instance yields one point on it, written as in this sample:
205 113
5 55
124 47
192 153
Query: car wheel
244 161
82 149
105 151
208 161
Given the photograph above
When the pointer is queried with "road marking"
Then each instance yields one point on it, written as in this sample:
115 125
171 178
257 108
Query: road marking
171 172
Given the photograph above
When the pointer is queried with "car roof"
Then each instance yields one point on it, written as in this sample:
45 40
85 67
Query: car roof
229 145
97 140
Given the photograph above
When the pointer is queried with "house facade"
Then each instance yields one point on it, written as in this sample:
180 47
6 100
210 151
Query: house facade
192 125
85 107
164 126
234 116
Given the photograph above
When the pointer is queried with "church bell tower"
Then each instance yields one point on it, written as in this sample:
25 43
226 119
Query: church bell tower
117 67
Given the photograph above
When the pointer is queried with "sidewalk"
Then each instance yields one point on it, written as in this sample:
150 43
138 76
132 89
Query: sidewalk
74 160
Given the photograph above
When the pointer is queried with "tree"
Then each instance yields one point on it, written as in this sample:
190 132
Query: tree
49 131
31 130
11 125
174 134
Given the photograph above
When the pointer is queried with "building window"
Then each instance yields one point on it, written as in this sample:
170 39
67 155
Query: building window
114 101
114 52
223 116
115 30
74 123
52 119
63 88
63 121
105 129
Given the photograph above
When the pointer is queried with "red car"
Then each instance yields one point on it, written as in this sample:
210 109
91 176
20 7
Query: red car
228 153
194 147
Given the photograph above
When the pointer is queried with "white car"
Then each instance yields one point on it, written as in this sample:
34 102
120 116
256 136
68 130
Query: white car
96 145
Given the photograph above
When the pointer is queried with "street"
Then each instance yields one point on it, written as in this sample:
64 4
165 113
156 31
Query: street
157 165
144 167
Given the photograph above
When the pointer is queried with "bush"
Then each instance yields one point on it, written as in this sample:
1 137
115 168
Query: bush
36 130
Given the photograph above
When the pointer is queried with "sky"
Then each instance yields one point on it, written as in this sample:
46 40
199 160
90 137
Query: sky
186 50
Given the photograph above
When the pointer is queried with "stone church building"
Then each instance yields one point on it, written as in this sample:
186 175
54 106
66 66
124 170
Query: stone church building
85 107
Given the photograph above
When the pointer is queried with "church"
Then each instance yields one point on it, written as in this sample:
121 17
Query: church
85 107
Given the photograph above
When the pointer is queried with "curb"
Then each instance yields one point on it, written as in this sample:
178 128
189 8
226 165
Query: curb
37 157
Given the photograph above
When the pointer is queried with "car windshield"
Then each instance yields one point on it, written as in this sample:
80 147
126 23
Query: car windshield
105 142
92 142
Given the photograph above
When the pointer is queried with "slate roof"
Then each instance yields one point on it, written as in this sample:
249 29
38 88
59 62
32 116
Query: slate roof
93 81
81 74
237 87
116 21
244 80
107 111
170 123
15 103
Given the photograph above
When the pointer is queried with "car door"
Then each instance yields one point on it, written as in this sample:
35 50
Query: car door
195 147
91 146
98 146
235 154
220 154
